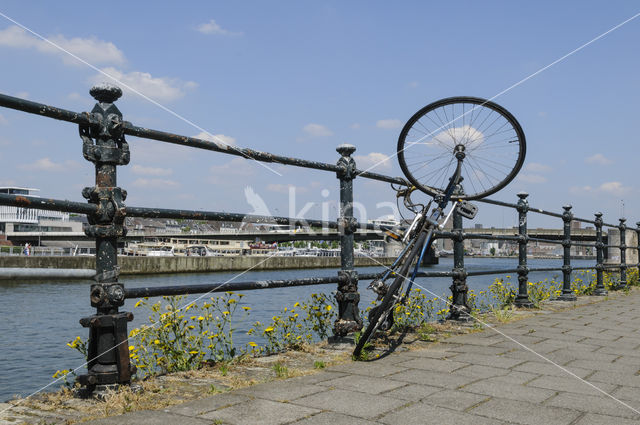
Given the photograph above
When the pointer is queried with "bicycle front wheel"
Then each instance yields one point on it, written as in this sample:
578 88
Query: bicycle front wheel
491 138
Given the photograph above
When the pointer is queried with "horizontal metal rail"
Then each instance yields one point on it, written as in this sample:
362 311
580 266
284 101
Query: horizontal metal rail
226 286
86 208
85 118
47 204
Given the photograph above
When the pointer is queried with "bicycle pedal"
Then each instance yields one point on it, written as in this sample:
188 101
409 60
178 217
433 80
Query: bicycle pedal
467 209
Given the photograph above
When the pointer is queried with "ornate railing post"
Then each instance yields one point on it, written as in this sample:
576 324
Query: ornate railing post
638 250
105 146
600 289
623 254
567 293
522 299
347 295
459 309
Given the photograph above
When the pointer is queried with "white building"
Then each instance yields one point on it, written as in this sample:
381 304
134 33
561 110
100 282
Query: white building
17 221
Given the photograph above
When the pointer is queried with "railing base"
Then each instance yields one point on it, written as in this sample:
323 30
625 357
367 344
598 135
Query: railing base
567 297
523 302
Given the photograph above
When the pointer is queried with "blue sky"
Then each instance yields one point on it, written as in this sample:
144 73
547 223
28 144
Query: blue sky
300 78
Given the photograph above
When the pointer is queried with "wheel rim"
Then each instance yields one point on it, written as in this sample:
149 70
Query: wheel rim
490 138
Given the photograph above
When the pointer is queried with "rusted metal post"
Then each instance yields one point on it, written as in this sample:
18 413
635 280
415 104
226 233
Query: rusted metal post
600 290
459 309
567 292
104 145
623 254
638 250
522 299
347 295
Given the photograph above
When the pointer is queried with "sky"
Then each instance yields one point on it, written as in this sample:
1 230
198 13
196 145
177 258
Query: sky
300 78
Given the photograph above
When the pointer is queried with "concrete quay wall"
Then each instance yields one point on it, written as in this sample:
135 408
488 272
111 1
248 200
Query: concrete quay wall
150 265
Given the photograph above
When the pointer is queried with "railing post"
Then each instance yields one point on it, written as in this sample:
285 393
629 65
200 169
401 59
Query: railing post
104 145
638 250
600 290
623 254
522 299
459 309
347 295
567 293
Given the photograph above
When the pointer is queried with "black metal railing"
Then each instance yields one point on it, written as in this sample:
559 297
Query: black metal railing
103 134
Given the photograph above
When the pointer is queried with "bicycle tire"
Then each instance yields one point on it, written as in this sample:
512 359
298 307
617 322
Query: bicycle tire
510 147
388 300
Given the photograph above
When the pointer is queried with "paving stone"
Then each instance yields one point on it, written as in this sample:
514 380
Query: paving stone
412 392
493 361
437 379
476 339
281 390
546 368
198 407
433 364
601 404
512 391
593 419
149 417
332 418
363 384
367 368
361 405
317 377
457 400
423 413
478 349
522 412
616 378
433 354
627 393
617 366
570 384
593 332
610 349
258 411
481 371
516 377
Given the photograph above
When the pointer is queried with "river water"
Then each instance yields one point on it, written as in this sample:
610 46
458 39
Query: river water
38 318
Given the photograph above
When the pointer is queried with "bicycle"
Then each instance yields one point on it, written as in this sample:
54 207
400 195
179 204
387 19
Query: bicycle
487 151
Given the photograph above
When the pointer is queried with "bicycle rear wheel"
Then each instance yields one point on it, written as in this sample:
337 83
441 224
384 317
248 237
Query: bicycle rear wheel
491 138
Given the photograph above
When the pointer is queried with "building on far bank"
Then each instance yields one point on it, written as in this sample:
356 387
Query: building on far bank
27 223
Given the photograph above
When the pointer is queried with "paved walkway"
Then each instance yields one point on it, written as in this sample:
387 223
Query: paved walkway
479 378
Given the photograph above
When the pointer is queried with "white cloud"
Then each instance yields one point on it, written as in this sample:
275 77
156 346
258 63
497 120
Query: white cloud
151 171
354 126
23 94
609 188
155 183
614 188
531 178
389 124
212 27
598 159
317 130
3 120
234 168
536 167
157 88
374 159
46 164
218 138
91 49
284 188
413 84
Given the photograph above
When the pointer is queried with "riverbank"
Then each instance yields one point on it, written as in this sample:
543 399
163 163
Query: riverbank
152 265
468 375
